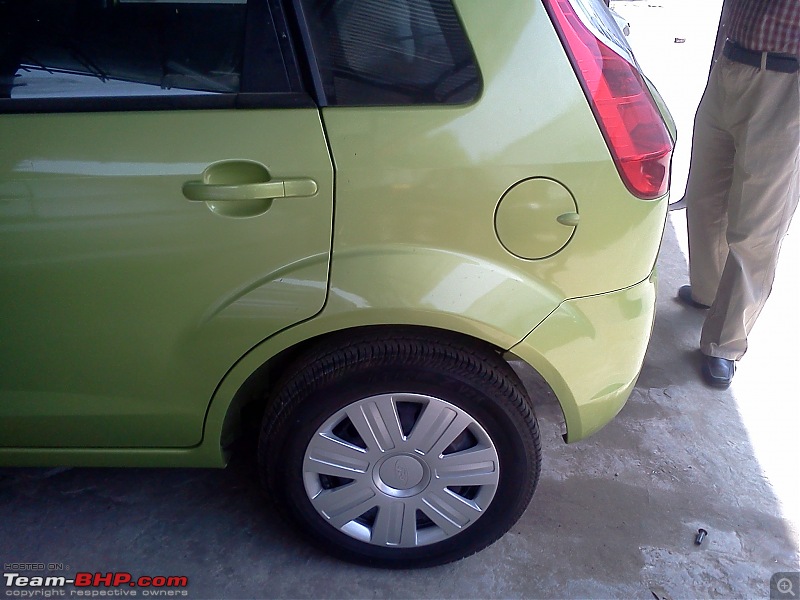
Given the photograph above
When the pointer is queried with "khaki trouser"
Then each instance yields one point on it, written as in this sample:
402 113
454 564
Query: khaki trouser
744 183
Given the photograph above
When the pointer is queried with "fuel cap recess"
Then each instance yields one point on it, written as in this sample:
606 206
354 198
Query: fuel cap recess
536 218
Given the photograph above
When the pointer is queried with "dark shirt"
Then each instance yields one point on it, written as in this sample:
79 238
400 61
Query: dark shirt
766 25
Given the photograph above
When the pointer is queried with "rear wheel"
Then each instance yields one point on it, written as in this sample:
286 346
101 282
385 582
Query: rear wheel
403 451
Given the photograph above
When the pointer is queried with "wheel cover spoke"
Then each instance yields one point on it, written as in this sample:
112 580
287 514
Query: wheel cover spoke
450 512
377 424
438 426
391 523
469 467
329 456
343 504
367 478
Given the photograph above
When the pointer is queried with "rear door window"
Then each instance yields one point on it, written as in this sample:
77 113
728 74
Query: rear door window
187 50
79 48
390 52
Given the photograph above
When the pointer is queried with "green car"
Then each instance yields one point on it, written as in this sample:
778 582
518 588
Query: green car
336 220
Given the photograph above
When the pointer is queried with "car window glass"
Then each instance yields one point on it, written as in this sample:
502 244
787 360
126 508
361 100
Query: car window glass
96 48
389 52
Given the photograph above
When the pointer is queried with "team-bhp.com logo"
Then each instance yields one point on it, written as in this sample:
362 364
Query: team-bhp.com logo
94 585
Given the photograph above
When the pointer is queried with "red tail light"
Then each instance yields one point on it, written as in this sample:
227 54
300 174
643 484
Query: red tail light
623 106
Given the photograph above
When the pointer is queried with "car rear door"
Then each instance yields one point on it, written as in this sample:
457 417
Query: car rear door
165 205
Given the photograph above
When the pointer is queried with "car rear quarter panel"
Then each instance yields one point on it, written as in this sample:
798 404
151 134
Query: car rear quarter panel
414 236
418 182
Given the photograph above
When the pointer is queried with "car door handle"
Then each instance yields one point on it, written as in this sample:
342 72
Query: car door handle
200 191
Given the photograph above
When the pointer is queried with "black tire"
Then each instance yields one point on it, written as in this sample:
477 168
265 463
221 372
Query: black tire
411 377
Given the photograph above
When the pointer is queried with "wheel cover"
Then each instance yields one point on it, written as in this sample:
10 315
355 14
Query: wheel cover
401 470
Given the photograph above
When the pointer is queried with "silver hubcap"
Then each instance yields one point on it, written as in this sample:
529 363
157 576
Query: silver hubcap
401 470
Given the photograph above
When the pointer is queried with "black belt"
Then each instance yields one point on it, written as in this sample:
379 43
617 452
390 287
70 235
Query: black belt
783 63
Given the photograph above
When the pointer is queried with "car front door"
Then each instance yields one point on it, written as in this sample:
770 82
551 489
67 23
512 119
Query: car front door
165 205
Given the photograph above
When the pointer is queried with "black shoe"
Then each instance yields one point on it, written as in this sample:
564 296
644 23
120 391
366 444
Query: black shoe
685 296
718 372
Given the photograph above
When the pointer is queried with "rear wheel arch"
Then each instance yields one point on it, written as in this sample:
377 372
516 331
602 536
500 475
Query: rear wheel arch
250 400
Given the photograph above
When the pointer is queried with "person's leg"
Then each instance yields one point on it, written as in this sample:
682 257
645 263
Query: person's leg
710 174
765 113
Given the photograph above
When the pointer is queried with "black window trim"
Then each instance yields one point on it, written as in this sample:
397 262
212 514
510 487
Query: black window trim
294 97
155 103
311 63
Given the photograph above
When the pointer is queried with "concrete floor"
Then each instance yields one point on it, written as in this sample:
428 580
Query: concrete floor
614 516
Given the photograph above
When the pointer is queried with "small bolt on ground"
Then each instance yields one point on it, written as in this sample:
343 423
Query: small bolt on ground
701 535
